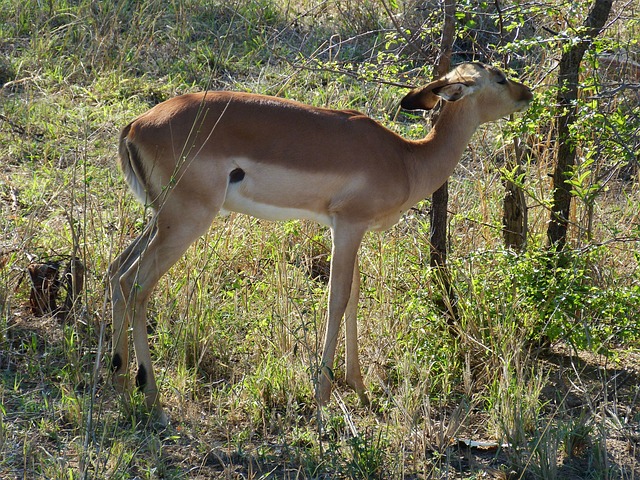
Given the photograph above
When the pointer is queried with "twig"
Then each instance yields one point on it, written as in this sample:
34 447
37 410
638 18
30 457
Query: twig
354 74
402 33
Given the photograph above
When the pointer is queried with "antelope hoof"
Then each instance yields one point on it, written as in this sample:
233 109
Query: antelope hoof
364 399
323 392
160 418
359 388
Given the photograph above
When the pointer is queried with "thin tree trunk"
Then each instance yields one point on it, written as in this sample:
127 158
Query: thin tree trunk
568 77
440 198
514 215
514 212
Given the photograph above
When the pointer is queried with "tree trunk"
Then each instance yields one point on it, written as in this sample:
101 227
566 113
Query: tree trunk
440 198
567 96
515 214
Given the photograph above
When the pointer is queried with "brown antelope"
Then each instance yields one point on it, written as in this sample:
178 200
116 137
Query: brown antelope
192 156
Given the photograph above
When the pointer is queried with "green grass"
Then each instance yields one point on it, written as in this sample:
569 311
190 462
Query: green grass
542 357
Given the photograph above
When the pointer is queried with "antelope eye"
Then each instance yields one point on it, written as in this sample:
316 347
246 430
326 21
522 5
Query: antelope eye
502 81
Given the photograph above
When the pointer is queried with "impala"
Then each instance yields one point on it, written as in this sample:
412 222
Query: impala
198 154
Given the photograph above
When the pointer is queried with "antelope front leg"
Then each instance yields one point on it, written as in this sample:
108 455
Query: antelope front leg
346 240
353 373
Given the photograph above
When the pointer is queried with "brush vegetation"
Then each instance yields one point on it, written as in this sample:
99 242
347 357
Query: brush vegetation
530 369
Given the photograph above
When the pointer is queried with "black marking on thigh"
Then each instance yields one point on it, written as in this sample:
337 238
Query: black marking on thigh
236 175
116 362
141 377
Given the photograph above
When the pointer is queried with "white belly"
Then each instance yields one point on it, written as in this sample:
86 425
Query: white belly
235 202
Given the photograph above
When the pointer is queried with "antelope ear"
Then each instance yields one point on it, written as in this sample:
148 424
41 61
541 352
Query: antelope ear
454 91
425 98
